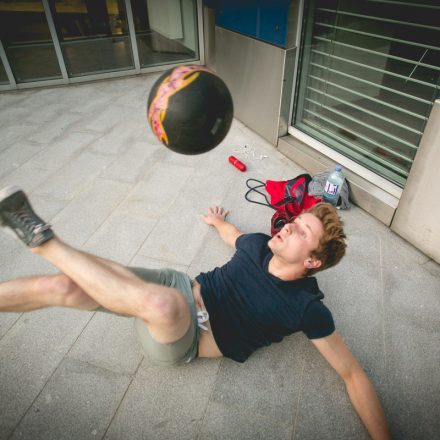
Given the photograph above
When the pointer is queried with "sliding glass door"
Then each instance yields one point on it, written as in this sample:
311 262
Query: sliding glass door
27 41
73 39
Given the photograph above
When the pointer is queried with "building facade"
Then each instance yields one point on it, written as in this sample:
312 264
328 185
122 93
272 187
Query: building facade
354 83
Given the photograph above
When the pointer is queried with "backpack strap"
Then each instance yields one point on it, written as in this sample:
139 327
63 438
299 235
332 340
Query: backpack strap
259 184
298 191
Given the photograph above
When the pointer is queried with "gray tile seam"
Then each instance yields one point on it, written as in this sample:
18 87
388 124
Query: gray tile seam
112 211
68 162
142 243
202 419
429 260
48 379
296 410
69 202
122 398
98 367
33 143
12 326
382 298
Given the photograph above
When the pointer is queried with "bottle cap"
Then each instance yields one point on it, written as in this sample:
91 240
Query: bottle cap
338 168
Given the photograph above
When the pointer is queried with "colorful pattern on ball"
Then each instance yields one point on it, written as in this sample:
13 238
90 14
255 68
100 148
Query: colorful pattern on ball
179 78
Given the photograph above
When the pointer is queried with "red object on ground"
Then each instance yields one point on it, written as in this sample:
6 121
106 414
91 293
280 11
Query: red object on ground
237 164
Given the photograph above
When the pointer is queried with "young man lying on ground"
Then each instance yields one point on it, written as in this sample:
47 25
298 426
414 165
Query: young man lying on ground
265 292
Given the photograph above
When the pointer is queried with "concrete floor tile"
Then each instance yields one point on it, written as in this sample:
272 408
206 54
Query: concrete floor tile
26 177
78 403
69 180
90 208
15 155
257 399
120 236
55 129
413 379
29 353
7 320
62 151
432 267
159 188
107 118
121 137
22 263
151 263
177 241
169 403
131 165
109 341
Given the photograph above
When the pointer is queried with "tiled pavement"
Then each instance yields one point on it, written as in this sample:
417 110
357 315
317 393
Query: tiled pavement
93 168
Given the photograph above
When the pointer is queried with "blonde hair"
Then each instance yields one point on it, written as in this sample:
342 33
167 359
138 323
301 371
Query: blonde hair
331 247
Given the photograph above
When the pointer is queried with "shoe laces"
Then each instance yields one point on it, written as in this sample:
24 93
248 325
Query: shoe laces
29 221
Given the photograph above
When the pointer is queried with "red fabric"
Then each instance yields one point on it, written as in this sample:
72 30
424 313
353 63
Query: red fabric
289 198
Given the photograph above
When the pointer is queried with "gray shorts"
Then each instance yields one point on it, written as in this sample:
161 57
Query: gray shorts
175 353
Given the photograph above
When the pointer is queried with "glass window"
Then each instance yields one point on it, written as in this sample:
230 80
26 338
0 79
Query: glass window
27 41
369 74
93 35
166 31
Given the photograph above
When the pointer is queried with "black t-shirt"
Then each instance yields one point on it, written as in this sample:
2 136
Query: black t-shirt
250 308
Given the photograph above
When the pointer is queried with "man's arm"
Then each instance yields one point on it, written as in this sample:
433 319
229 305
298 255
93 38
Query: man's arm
228 232
360 390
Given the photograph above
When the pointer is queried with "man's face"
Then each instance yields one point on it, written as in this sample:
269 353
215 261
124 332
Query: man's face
297 240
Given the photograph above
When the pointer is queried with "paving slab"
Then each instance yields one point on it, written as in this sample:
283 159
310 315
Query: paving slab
70 179
168 403
121 235
109 342
257 399
29 353
159 188
15 155
78 402
57 154
131 165
90 208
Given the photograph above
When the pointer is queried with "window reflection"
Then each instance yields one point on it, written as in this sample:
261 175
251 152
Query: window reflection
166 31
93 35
27 41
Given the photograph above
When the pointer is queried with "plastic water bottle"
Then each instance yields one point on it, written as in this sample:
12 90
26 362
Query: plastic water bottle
333 186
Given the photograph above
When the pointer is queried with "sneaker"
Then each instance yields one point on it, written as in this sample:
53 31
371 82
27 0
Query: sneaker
17 214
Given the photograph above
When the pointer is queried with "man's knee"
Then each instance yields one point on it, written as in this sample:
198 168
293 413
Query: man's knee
167 309
56 284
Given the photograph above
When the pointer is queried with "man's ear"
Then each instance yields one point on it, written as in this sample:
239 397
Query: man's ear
312 263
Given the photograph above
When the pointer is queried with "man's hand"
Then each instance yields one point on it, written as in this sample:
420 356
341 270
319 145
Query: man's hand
215 215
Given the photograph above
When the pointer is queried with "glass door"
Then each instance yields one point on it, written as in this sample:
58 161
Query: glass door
166 31
26 38
93 35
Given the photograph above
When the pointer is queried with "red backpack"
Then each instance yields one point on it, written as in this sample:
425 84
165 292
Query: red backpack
287 197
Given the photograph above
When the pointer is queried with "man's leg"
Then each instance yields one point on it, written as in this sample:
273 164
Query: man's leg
164 309
31 293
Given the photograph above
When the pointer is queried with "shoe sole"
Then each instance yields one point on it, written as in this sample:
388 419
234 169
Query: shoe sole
8 191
